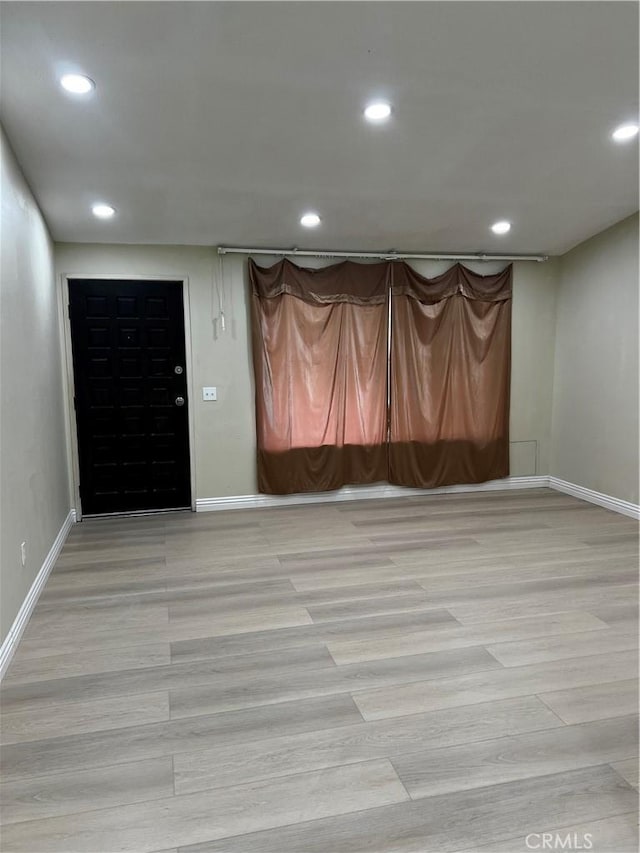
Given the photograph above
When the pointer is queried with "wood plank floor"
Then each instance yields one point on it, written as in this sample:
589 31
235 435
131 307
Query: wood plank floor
440 674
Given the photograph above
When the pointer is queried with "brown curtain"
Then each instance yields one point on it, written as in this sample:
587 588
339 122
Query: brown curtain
450 377
320 362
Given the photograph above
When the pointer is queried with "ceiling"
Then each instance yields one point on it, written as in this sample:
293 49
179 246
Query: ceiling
221 123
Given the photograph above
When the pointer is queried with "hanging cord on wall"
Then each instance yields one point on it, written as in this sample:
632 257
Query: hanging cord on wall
218 299
221 292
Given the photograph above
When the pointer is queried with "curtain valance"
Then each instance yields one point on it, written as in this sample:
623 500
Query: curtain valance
367 284
456 280
359 284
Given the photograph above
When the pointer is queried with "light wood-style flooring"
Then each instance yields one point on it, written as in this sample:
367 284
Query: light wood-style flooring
439 674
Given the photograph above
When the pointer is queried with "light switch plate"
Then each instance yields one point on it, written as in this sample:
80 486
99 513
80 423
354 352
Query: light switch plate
209 393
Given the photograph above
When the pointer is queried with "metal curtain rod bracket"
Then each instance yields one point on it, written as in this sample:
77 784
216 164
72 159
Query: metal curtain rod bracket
382 256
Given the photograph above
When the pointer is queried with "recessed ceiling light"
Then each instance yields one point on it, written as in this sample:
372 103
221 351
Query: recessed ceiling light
625 132
501 227
310 220
378 111
77 84
103 211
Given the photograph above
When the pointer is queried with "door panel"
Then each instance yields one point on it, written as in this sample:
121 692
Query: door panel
133 438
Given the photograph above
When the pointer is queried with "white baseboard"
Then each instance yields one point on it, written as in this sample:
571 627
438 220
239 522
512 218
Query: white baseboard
12 639
606 501
360 493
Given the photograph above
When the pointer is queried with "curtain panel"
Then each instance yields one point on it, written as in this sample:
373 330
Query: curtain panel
320 361
450 377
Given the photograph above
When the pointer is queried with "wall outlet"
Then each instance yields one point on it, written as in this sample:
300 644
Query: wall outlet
209 393
23 553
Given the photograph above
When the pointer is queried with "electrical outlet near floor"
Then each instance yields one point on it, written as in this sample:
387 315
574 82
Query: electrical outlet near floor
23 553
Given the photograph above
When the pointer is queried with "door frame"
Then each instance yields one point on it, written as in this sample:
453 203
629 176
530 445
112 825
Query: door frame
69 385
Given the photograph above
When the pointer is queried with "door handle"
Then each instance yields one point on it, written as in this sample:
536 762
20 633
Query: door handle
179 401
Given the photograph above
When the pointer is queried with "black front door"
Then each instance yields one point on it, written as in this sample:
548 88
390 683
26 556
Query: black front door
130 394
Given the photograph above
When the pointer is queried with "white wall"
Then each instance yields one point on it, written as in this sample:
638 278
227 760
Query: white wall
35 486
225 431
595 401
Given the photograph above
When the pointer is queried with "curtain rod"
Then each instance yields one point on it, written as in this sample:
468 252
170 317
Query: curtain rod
383 256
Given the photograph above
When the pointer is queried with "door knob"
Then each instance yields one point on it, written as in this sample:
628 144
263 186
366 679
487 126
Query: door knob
179 401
